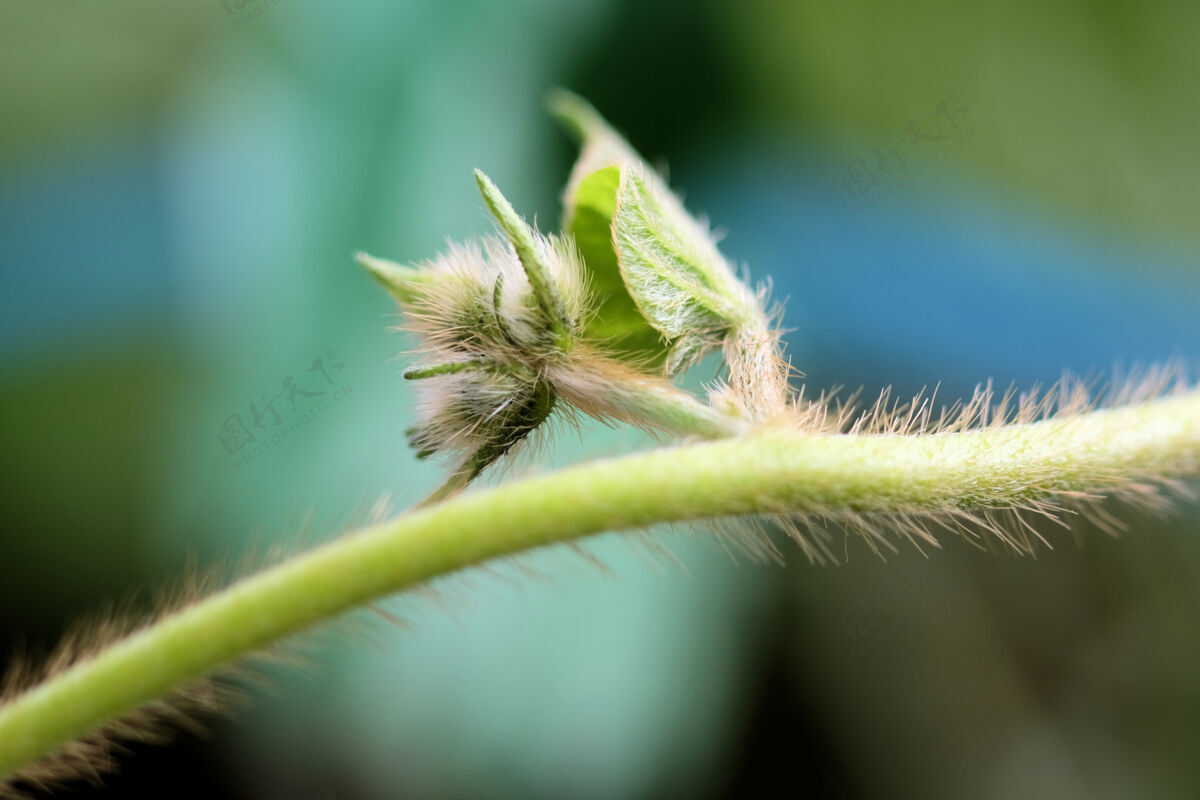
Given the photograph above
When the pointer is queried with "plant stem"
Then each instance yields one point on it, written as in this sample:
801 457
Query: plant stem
605 389
774 470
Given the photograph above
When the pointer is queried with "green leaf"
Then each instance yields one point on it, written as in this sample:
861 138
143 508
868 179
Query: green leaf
617 321
522 238
601 145
403 283
670 270
588 204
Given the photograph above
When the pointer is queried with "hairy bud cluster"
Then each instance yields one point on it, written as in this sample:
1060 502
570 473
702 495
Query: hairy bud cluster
671 269
490 318
599 319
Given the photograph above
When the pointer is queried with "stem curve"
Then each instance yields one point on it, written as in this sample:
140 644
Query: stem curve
774 469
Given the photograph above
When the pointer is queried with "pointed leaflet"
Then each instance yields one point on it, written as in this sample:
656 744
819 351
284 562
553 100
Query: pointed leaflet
401 282
588 204
617 321
670 268
533 260
673 271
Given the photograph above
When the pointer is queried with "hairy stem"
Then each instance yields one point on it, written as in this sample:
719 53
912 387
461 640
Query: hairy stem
605 389
777 469
608 390
758 374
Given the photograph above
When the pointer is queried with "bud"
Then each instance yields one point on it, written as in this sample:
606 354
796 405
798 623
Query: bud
487 317
589 201
669 266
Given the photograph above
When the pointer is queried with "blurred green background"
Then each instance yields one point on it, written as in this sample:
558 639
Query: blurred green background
941 192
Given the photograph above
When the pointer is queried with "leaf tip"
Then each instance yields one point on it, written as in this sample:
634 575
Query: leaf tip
574 113
400 281
510 222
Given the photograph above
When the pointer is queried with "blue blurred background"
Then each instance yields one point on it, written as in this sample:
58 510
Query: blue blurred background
941 193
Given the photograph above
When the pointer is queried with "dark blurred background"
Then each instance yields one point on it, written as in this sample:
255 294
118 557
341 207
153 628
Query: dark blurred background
941 192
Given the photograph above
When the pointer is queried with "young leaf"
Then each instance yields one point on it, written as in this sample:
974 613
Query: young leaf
669 266
588 204
400 281
618 322
673 271
533 260
601 145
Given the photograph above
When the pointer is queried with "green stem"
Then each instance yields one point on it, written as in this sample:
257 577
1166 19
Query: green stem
776 470
607 390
